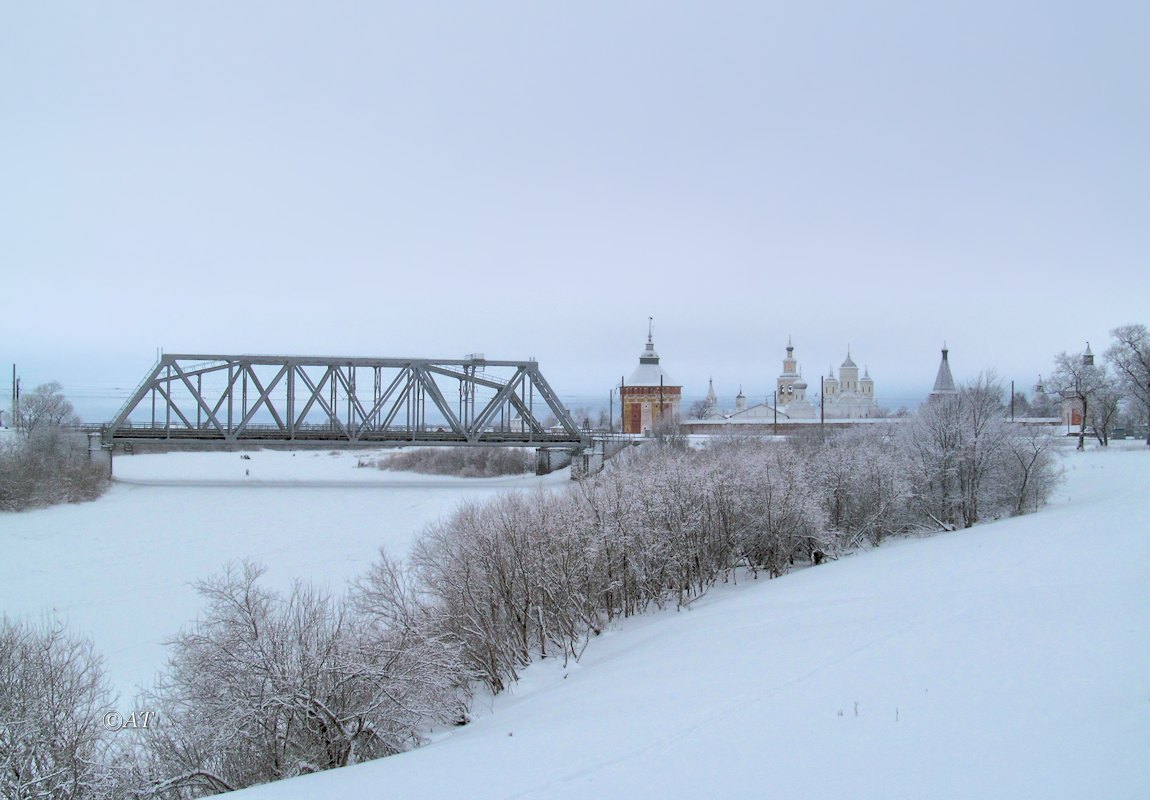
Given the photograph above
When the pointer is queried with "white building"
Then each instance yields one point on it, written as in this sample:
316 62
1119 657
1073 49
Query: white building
846 397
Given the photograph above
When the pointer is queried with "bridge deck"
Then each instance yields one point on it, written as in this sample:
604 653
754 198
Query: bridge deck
383 438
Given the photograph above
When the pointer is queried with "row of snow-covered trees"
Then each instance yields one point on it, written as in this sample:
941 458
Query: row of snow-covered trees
266 685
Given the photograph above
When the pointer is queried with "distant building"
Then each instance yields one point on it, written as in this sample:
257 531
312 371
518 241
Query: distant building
846 397
1073 408
649 395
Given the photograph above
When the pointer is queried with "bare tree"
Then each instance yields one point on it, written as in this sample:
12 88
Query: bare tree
985 431
52 700
960 447
1030 471
700 409
932 440
45 407
1078 380
1104 410
1129 355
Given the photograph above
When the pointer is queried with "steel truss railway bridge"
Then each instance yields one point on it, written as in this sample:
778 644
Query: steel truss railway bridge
389 402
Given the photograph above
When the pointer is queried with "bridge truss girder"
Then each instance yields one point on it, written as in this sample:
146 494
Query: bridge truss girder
378 401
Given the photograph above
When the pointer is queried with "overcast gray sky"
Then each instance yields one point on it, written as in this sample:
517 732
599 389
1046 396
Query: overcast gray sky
537 178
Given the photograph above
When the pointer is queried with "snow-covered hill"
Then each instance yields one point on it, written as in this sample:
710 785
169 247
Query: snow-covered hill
1011 660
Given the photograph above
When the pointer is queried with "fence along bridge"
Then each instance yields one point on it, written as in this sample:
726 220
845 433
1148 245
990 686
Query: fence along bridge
342 401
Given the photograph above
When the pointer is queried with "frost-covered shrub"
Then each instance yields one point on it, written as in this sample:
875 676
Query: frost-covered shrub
969 463
52 700
861 477
47 467
466 462
268 685
531 575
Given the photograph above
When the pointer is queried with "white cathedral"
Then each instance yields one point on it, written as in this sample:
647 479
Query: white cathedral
846 397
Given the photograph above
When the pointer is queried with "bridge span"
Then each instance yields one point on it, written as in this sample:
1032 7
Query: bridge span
341 401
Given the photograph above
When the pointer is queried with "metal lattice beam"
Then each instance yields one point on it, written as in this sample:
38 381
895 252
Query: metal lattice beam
317 399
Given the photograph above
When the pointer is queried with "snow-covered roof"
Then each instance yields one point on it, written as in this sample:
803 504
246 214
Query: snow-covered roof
649 373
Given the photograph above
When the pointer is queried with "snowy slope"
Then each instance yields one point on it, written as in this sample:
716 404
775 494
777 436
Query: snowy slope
121 569
1008 661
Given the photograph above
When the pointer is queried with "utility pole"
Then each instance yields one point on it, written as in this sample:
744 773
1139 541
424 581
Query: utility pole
775 405
660 398
622 406
822 404
1012 401
15 399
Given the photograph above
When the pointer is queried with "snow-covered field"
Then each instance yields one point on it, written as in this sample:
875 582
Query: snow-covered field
121 569
1007 661
1011 660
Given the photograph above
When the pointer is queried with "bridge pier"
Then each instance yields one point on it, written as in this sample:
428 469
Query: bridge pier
583 461
98 452
549 459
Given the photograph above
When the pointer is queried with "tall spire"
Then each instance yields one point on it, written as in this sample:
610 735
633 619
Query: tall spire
944 381
649 356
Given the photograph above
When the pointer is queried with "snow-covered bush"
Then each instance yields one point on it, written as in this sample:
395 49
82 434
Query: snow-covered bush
863 484
47 469
536 575
268 685
466 462
52 700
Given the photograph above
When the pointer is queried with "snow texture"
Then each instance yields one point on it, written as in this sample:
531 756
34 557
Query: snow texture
1009 660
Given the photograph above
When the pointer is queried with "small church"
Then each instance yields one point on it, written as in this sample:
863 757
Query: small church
649 395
